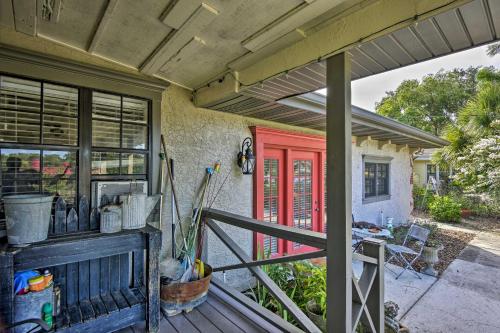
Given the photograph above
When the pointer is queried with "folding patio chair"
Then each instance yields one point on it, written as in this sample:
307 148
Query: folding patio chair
397 252
357 240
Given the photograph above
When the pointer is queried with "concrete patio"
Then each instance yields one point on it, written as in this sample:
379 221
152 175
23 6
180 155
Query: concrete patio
467 297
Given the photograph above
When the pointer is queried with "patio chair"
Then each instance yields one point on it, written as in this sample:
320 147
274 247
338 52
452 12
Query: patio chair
398 252
357 240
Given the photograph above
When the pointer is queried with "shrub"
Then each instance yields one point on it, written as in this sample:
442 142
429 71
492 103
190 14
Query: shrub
445 209
422 198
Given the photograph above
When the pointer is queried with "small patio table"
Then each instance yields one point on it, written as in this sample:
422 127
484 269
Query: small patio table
365 233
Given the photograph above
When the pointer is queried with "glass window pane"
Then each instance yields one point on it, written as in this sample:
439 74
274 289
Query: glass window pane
20 171
133 164
135 110
135 136
60 100
370 180
19 110
60 174
106 106
60 130
382 179
105 163
105 134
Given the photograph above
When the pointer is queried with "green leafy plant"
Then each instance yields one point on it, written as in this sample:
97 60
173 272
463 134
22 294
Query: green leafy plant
315 288
422 198
445 209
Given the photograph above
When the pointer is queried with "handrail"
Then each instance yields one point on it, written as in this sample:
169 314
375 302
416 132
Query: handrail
305 237
367 291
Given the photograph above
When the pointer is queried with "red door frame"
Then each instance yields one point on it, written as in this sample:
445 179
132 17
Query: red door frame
268 138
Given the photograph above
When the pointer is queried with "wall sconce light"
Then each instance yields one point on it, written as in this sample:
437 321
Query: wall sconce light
246 159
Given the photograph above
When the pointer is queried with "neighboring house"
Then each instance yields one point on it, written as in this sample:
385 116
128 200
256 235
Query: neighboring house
424 169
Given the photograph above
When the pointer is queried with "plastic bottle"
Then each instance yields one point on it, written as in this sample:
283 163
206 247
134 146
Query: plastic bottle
47 314
390 227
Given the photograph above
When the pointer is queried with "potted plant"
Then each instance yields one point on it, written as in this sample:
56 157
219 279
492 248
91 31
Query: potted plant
315 292
430 255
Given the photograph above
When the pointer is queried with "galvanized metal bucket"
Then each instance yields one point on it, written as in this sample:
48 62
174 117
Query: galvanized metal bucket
29 306
27 217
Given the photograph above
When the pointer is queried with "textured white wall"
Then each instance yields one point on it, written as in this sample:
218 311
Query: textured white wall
197 138
399 205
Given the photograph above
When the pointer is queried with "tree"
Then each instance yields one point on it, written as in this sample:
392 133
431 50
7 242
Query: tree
474 150
433 103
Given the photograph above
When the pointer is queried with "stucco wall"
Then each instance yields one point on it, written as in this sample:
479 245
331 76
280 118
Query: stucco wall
399 204
420 173
196 138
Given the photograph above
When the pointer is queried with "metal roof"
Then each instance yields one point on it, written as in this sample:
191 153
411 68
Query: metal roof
308 110
473 24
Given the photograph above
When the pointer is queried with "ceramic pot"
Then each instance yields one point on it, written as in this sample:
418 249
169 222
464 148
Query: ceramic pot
312 312
430 257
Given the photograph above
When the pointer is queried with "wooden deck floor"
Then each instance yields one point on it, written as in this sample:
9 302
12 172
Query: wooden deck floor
221 313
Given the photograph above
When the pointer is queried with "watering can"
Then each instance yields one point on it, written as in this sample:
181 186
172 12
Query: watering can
136 207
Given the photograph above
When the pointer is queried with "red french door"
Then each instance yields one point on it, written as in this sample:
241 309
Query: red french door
288 186
290 196
302 193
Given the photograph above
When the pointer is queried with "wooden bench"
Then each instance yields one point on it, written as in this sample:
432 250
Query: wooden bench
108 281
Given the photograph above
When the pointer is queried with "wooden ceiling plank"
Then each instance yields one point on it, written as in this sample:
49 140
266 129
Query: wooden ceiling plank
101 27
178 12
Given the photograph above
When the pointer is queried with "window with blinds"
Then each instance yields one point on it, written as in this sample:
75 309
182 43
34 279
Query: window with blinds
119 135
38 137
271 202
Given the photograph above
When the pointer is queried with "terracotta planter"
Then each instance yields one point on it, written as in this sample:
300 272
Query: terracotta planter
465 213
312 312
430 257
178 297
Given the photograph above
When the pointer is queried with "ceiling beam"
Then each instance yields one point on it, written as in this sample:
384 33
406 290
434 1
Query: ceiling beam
25 16
101 27
178 12
174 42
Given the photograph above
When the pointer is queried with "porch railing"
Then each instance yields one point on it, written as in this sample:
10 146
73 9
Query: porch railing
367 290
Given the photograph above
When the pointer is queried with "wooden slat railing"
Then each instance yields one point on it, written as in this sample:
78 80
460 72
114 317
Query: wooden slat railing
367 291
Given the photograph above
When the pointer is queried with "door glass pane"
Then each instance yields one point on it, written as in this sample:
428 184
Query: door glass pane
302 195
271 186
19 110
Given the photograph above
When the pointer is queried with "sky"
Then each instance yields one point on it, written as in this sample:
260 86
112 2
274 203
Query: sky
367 91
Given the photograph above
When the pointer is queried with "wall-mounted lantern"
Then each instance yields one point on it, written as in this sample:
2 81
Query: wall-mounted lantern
246 159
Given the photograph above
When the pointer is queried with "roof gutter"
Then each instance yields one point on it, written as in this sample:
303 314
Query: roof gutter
317 103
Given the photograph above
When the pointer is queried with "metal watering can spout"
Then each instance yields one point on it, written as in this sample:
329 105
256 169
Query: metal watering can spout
151 203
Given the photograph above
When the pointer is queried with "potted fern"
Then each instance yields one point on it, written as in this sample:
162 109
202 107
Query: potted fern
315 292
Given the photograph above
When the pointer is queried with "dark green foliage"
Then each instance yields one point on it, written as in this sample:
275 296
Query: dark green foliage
434 102
422 198
445 209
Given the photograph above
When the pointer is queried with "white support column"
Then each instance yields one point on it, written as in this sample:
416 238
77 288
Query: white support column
339 187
